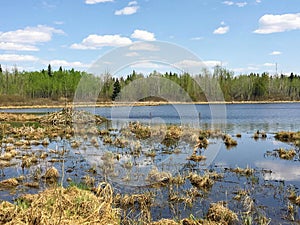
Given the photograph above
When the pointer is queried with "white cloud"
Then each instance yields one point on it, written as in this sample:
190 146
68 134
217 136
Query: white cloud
221 30
189 63
132 3
212 63
278 23
91 2
64 63
17 58
130 9
30 35
94 41
143 35
228 3
275 53
144 47
238 4
241 4
26 39
258 1
197 38
15 46
269 64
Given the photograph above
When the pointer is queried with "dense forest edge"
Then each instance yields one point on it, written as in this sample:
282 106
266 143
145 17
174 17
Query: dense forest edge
49 87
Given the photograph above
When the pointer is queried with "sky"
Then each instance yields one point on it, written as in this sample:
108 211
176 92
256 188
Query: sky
241 35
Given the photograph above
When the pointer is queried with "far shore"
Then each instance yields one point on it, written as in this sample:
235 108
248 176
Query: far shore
116 104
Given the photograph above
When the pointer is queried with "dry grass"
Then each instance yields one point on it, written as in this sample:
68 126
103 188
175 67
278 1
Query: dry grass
62 206
196 158
229 141
16 117
286 136
51 174
11 182
155 176
203 182
286 154
218 212
243 171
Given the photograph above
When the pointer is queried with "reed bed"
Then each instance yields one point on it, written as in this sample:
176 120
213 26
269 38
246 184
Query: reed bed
63 206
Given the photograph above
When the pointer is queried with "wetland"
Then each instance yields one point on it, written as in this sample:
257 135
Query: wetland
163 164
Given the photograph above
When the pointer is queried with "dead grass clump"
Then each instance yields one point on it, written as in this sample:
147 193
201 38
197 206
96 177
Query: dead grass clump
136 203
155 176
203 182
51 174
294 198
172 136
240 194
6 156
289 137
28 161
196 158
229 141
4 163
11 182
66 206
32 184
140 131
286 154
7 212
17 117
179 180
219 213
244 172
165 222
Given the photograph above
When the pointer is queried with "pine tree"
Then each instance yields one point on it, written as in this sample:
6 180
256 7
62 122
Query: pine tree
117 89
49 71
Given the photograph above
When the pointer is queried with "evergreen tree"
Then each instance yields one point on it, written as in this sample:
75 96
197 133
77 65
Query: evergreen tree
49 70
117 89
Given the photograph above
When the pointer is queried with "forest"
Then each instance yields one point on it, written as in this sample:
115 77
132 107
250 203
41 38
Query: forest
221 84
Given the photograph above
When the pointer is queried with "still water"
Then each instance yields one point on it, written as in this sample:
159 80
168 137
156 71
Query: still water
273 176
230 117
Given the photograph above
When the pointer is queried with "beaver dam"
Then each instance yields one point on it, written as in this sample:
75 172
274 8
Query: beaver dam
69 167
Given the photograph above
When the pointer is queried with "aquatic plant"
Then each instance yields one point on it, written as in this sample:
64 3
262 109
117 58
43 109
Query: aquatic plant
218 212
203 182
51 174
196 158
286 154
243 171
63 206
287 136
229 141
11 182
158 177
141 131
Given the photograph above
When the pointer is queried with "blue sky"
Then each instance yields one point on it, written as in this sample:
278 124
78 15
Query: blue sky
244 35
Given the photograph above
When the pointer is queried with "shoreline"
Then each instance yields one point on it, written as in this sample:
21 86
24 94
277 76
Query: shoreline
120 104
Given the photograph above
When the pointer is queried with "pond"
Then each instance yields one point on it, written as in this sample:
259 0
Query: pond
268 185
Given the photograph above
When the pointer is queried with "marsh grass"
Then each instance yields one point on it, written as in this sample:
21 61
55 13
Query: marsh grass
62 206
82 203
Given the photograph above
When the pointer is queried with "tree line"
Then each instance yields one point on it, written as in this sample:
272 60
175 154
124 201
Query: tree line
220 85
